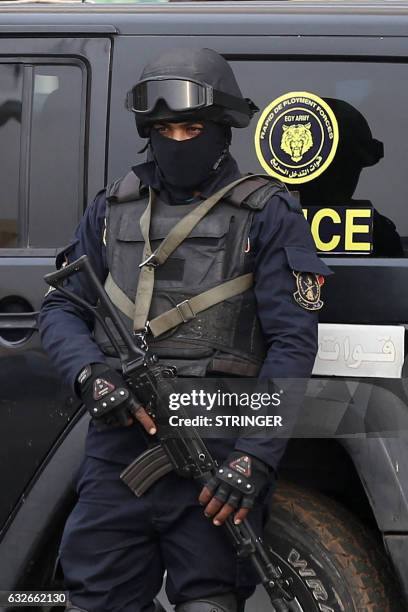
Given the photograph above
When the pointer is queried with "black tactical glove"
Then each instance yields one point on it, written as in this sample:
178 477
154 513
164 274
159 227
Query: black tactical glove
239 480
106 395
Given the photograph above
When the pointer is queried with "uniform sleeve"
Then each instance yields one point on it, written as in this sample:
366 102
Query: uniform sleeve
288 278
65 328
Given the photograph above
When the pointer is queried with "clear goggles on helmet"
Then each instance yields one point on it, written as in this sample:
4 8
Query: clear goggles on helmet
182 94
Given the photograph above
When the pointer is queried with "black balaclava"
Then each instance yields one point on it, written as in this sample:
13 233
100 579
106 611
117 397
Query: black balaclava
187 166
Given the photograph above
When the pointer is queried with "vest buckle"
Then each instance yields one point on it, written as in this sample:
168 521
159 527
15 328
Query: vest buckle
186 311
149 262
140 337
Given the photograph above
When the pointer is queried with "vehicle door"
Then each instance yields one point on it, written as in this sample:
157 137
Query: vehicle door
53 112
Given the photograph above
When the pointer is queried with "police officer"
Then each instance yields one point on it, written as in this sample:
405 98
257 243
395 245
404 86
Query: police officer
183 223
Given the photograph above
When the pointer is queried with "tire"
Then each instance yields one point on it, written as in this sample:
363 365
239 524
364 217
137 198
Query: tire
334 563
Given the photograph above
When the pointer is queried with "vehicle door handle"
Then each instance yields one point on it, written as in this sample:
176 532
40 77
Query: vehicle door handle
19 320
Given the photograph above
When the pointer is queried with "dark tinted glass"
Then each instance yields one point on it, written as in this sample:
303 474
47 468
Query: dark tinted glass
42 154
11 88
369 100
178 95
57 160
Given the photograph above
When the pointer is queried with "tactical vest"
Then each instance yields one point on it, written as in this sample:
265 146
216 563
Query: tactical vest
201 306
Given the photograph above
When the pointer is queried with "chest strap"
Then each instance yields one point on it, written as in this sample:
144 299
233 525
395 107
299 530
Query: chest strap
186 310
169 244
189 309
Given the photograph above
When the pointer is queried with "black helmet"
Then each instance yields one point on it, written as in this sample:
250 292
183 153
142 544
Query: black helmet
184 84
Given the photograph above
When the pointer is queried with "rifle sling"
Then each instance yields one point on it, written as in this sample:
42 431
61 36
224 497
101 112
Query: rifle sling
189 309
185 311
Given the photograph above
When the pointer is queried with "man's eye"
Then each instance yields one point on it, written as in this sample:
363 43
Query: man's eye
161 129
195 130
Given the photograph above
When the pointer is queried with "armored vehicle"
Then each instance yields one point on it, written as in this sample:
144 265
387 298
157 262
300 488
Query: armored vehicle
330 79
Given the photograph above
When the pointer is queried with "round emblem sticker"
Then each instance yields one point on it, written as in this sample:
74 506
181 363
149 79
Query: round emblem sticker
296 137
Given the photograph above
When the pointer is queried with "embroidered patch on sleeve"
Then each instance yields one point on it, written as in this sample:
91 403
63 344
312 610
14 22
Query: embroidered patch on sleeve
308 290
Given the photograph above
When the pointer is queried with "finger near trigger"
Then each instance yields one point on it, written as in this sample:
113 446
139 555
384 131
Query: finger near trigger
145 420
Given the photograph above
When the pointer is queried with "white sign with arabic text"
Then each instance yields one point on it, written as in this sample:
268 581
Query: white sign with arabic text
360 350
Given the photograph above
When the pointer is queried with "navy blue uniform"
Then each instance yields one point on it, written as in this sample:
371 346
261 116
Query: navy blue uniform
166 528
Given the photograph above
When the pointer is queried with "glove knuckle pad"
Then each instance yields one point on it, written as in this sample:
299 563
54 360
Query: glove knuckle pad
237 481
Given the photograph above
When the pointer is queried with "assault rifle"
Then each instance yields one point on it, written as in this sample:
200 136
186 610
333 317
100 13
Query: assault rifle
180 448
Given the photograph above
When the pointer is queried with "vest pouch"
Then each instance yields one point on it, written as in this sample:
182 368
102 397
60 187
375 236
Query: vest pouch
211 226
200 259
128 254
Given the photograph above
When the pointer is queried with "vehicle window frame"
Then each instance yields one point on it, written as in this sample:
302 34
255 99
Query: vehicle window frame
29 63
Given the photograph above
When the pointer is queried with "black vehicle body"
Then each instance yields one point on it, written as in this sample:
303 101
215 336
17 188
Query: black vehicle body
99 51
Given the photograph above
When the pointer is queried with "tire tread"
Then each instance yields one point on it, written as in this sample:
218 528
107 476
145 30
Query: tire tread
358 555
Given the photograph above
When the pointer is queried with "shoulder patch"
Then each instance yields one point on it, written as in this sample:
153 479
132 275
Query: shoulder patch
308 290
125 189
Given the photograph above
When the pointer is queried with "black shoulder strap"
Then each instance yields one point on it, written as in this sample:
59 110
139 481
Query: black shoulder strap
239 195
125 189
255 192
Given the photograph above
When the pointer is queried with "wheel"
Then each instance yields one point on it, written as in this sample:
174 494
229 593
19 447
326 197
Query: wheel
333 563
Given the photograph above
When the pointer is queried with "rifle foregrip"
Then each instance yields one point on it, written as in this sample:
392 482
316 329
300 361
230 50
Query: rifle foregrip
144 471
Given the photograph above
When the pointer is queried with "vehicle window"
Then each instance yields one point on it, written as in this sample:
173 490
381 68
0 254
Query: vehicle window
11 91
56 155
41 174
370 165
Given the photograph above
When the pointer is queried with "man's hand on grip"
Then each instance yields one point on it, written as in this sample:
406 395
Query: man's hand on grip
234 488
109 399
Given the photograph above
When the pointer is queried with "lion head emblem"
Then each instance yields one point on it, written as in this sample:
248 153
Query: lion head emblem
296 140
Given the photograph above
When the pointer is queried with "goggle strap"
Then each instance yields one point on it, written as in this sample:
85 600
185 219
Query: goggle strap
220 98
